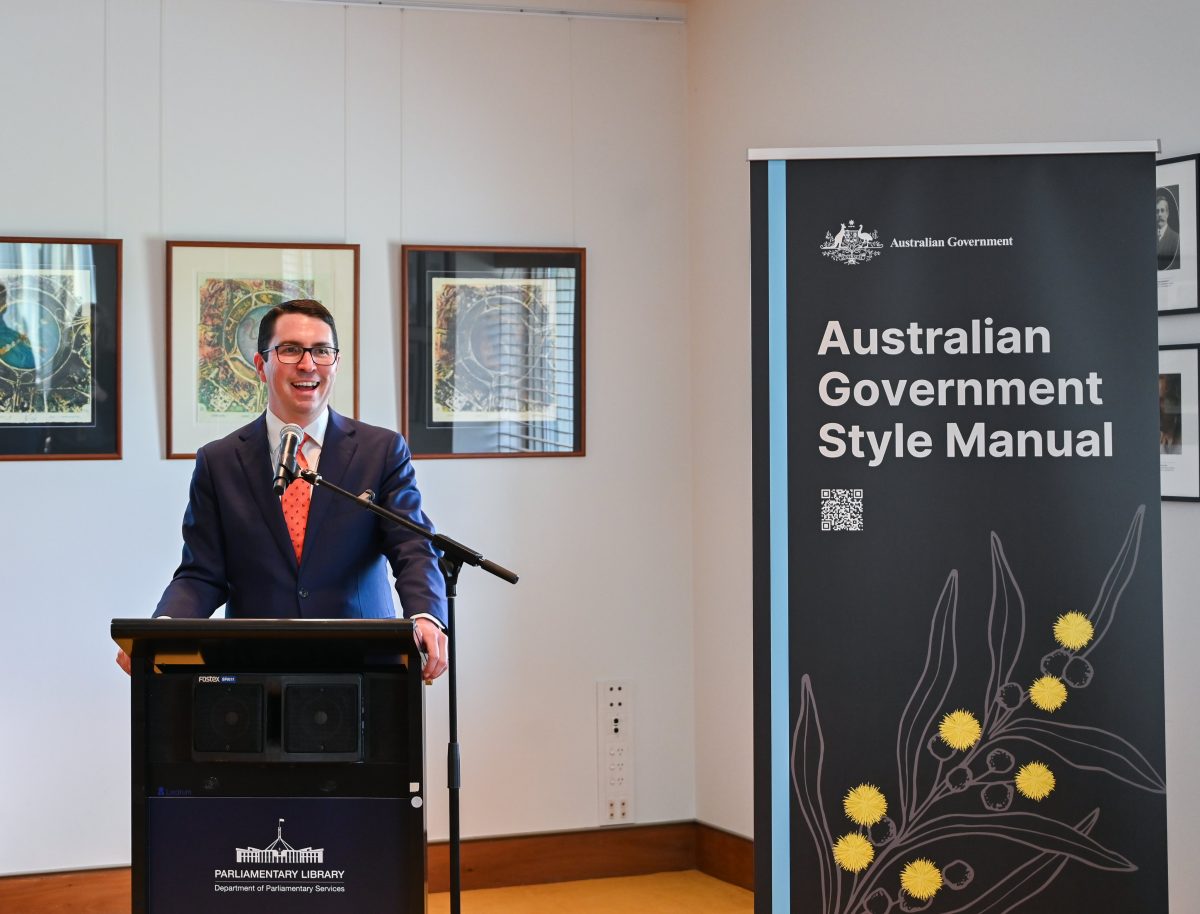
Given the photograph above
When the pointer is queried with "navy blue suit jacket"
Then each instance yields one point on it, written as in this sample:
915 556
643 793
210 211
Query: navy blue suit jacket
236 549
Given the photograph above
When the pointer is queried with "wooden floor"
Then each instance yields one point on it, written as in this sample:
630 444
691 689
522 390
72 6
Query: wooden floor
688 892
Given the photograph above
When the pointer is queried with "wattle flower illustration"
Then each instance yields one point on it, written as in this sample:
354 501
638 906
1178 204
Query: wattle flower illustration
1073 630
1035 781
1048 693
921 879
1005 755
959 730
853 852
865 805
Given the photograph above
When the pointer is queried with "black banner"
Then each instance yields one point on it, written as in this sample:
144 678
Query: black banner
959 683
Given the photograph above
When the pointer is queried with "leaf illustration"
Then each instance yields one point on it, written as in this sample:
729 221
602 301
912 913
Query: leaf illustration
928 696
1025 881
808 757
1006 627
1105 608
1043 834
1088 749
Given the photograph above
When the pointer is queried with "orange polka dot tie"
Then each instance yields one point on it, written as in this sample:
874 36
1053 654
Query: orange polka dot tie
295 503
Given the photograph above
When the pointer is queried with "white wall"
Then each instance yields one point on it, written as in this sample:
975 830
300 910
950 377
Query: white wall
258 120
778 73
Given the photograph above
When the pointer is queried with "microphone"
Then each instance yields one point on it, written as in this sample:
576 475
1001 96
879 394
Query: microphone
289 444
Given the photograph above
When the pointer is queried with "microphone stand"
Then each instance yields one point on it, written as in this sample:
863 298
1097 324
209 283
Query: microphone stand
453 556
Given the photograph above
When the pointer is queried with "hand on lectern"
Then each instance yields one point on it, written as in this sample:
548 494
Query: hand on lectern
124 662
432 642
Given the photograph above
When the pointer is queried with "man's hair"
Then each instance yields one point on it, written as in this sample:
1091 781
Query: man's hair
306 306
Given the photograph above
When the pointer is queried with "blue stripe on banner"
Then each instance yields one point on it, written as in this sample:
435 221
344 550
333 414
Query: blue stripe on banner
777 387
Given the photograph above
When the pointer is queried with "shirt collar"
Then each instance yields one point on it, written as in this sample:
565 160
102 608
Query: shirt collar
315 430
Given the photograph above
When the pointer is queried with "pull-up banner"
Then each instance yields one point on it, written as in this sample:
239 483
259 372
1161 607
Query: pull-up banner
958 626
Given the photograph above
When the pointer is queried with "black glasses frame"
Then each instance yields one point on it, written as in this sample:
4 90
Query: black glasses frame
303 349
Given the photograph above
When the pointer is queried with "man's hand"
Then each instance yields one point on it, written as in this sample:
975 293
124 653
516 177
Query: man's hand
432 641
124 662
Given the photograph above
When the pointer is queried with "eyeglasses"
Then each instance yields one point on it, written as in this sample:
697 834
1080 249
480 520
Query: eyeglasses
291 354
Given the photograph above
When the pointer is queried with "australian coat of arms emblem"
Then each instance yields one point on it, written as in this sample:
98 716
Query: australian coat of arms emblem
852 244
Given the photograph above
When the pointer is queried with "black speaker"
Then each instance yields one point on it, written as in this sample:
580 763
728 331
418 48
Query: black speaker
323 716
227 717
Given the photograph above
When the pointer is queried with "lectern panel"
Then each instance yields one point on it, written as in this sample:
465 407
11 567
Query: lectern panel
280 855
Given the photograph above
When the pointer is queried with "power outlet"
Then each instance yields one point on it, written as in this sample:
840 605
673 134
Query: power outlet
614 731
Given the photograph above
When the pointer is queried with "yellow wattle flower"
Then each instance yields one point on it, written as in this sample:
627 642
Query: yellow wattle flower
1073 630
959 730
853 853
865 804
1034 781
1048 693
921 879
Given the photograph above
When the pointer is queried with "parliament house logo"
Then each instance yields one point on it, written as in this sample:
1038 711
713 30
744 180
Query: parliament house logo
279 851
852 244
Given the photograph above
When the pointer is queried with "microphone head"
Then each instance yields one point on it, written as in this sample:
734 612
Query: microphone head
290 438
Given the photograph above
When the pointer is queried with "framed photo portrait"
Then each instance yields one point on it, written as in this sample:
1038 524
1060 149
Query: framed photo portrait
493 351
60 351
1179 422
217 293
1175 227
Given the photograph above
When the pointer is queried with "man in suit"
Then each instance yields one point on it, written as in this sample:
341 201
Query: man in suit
1168 238
239 549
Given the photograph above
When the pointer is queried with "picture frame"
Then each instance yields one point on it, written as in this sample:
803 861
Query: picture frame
1179 422
60 348
493 351
217 292
1176 227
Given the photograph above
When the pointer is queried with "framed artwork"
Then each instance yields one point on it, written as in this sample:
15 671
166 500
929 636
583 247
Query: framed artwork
217 293
1179 422
60 350
1175 225
493 351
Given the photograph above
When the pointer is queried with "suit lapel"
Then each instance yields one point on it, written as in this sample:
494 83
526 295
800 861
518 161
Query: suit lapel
254 455
336 453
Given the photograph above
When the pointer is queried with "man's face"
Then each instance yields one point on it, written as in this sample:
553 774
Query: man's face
1160 213
297 393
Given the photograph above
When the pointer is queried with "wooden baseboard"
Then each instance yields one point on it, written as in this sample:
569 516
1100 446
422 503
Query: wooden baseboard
724 855
79 892
594 853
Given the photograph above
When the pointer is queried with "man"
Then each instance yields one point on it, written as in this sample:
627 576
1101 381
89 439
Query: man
1168 238
238 548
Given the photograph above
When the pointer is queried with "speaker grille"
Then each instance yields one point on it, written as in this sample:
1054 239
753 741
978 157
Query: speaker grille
227 717
322 717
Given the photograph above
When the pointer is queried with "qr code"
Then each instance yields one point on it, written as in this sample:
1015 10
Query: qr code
841 509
